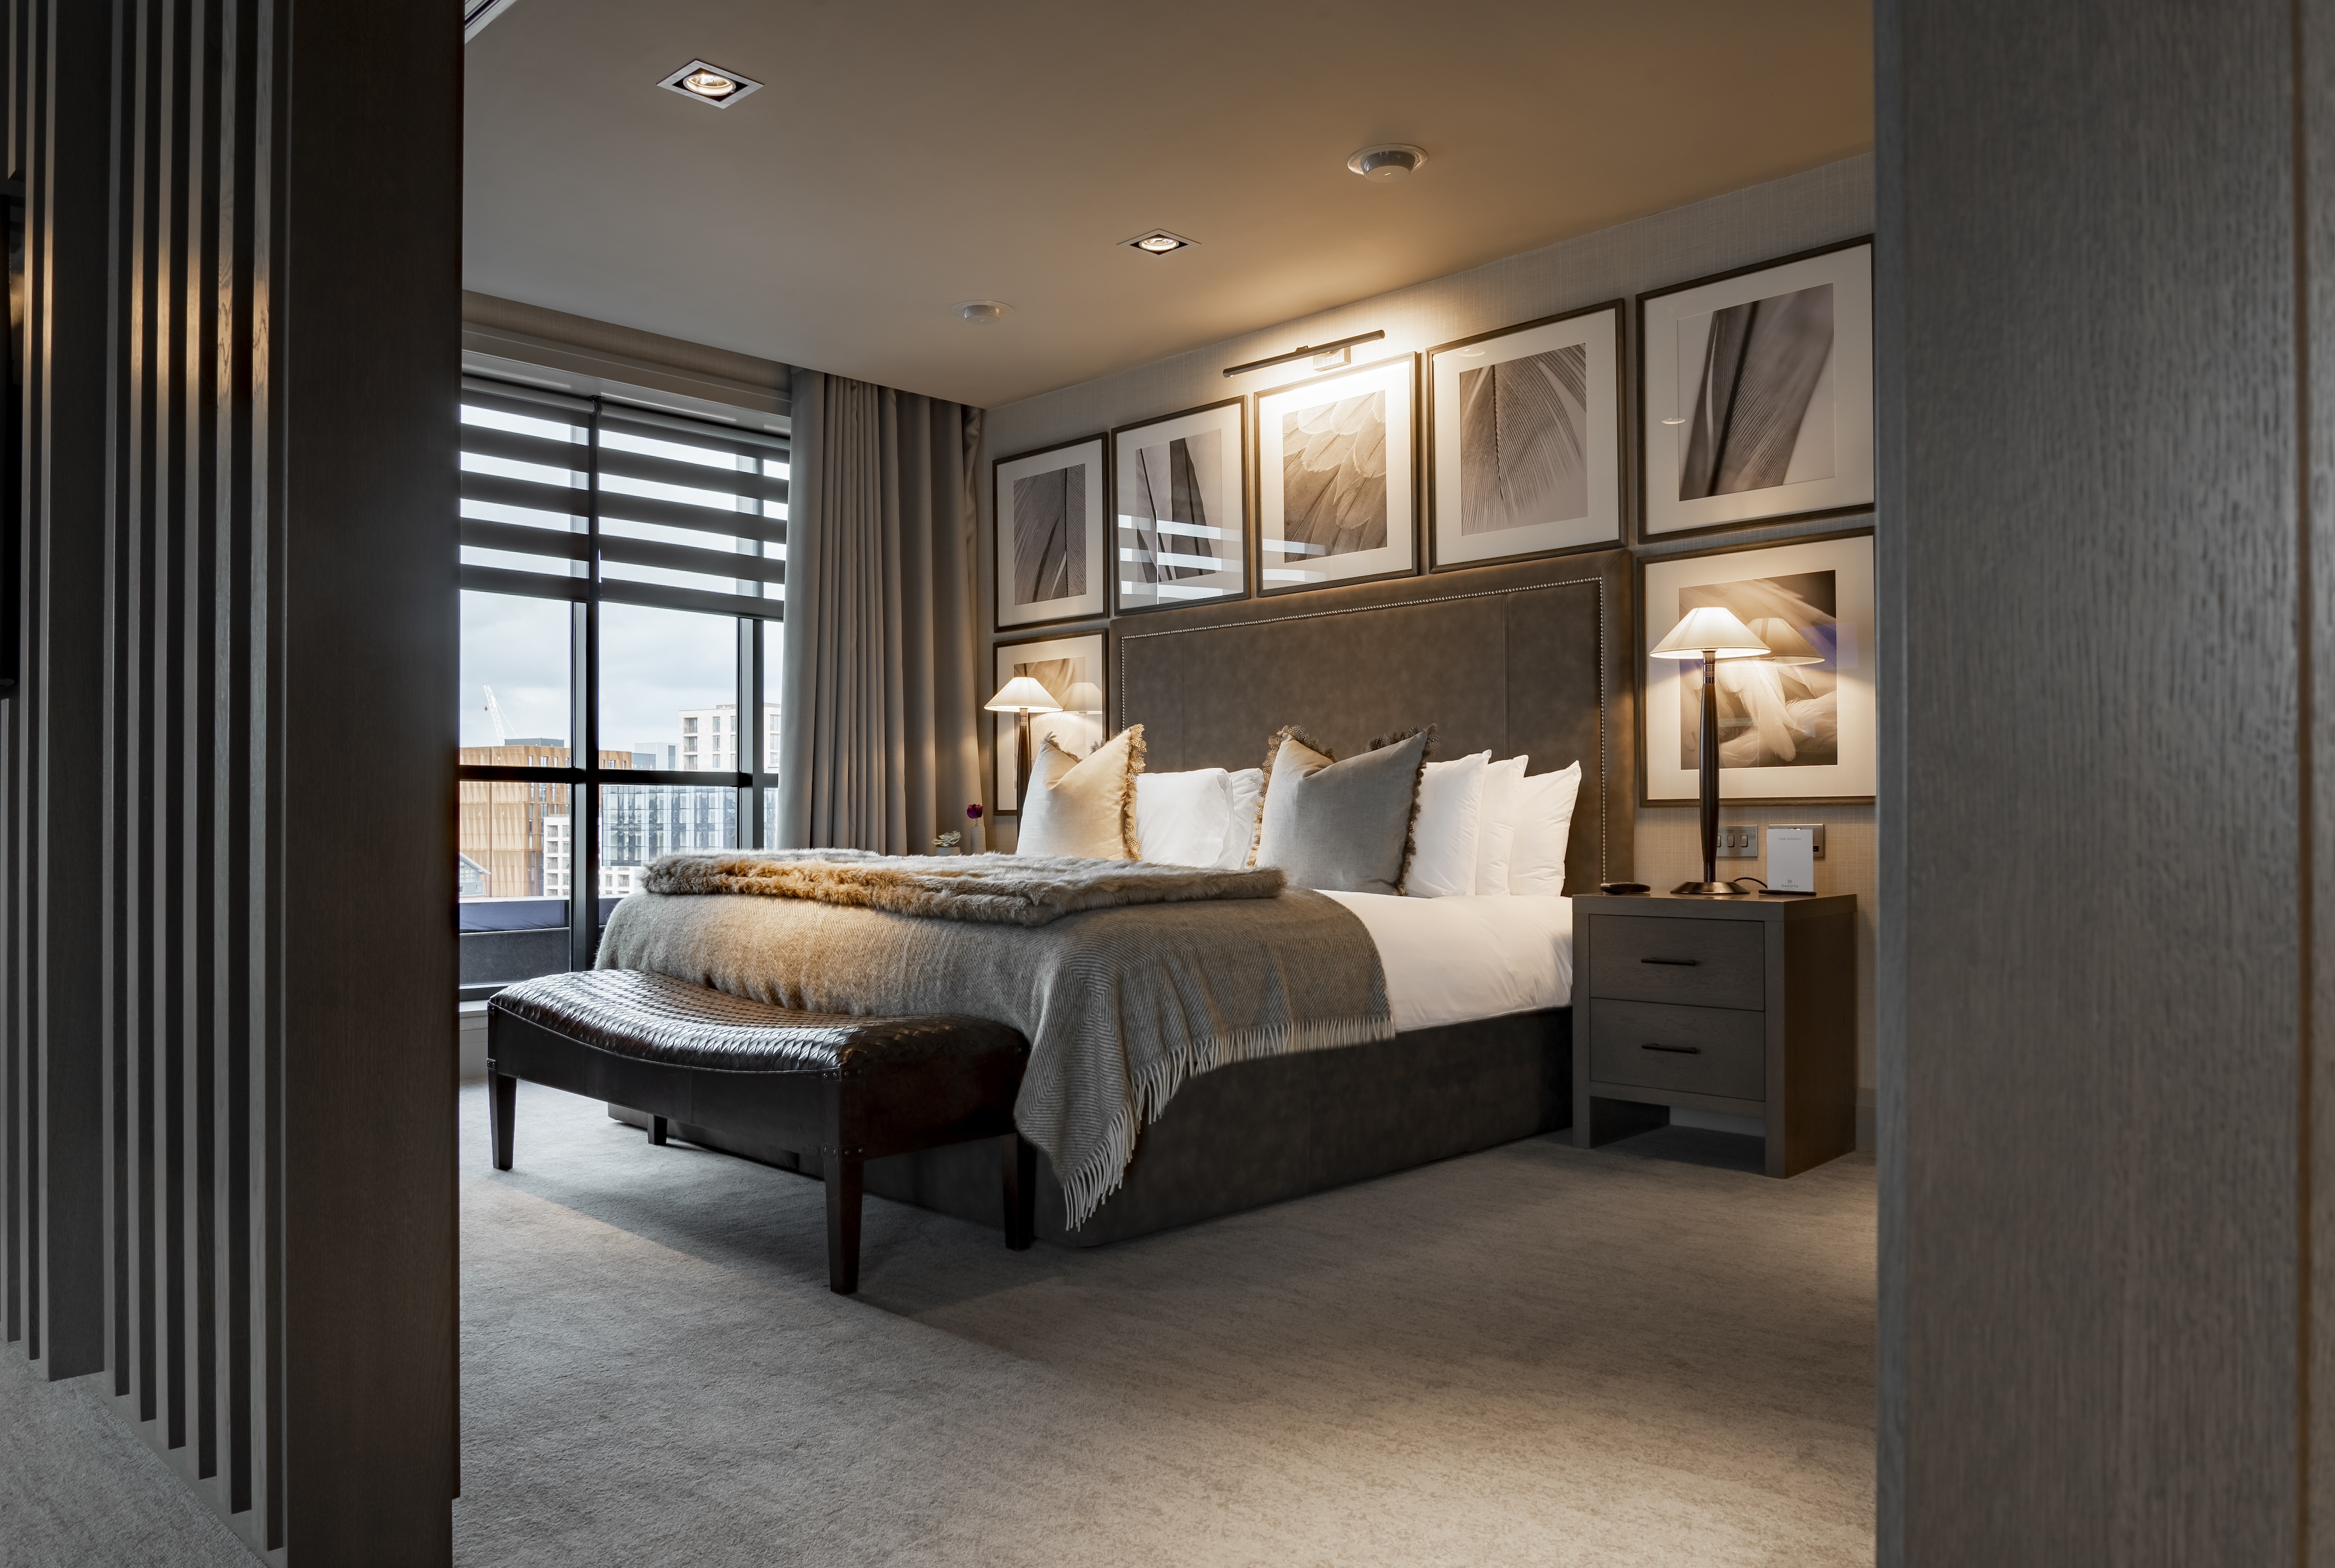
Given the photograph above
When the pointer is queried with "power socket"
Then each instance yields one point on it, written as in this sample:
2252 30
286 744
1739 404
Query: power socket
1738 842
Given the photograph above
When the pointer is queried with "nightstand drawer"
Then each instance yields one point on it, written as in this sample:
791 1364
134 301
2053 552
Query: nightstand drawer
1697 1050
1699 963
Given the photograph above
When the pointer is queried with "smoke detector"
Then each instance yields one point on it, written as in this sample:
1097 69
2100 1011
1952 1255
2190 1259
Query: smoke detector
1391 161
983 311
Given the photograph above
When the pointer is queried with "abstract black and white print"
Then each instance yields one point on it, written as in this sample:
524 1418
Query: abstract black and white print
1333 459
1762 415
1168 534
1778 712
1050 536
1524 427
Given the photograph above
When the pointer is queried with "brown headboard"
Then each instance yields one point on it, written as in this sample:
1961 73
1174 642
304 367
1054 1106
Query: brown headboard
1532 658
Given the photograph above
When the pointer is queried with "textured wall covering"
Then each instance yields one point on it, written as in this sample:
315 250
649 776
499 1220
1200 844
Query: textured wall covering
1743 228
229 852
2104 589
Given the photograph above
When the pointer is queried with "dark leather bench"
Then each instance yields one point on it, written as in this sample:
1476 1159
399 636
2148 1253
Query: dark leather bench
852 1089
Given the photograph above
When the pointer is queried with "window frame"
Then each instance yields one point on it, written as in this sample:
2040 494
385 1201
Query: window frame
586 592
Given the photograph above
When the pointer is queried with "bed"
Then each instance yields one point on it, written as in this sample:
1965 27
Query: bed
1517 659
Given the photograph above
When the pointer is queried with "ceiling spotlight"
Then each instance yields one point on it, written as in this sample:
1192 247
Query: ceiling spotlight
709 85
1158 242
983 311
1391 161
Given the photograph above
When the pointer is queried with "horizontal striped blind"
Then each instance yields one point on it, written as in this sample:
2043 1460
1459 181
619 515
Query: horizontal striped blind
676 513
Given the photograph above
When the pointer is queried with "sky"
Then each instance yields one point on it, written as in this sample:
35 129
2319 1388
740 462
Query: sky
653 663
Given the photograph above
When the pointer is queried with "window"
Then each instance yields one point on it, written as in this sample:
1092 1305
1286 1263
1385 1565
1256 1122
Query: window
623 578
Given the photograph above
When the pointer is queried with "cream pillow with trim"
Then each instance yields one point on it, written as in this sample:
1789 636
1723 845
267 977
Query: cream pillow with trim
1083 807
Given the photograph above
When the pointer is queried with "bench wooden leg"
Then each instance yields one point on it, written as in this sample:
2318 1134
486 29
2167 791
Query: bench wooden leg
1021 1160
843 1177
502 1104
657 1130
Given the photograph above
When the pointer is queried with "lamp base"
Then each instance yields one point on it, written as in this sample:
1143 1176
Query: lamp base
1726 889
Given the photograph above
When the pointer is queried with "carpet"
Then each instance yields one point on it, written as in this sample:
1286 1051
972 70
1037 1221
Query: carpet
1646 1354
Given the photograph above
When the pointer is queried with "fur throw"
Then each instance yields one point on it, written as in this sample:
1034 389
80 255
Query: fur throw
994 890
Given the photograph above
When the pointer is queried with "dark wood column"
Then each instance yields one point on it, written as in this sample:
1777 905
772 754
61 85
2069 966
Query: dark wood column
2104 573
230 842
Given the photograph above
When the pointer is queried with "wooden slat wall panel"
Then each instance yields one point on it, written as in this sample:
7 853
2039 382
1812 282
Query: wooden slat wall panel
230 1066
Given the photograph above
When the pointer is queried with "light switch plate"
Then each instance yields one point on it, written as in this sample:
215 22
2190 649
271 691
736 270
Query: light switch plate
1738 841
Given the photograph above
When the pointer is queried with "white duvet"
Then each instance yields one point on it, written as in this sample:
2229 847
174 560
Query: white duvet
1448 960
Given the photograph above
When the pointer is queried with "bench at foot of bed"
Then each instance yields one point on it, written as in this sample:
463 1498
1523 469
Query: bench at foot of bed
854 1088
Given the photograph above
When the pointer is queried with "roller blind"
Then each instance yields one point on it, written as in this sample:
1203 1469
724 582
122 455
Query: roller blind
563 496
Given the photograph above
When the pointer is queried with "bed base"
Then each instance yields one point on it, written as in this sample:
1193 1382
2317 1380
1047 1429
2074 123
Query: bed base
1259 1132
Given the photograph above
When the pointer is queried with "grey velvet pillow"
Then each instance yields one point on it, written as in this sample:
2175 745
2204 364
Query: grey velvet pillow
1340 826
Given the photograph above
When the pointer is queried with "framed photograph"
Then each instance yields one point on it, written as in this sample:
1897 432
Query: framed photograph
1524 446
1182 518
1048 512
1757 388
1796 726
1335 460
1072 670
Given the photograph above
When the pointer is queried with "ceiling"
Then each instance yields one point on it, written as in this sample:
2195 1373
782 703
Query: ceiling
902 157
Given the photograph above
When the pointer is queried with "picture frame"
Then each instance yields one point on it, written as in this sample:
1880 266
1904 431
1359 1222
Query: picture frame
1800 728
1755 394
1526 449
1179 487
1047 538
1063 664
1353 525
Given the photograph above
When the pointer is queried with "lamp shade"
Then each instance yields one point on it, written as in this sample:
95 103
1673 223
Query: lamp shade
1785 643
1710 630
1022 694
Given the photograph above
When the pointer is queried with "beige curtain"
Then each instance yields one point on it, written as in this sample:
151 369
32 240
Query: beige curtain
877 744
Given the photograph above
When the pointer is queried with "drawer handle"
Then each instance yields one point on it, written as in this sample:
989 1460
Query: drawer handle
1682 963
1682 1049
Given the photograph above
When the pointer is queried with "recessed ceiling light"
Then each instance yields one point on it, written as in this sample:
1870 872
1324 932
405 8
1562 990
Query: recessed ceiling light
709 85
1391 161
1158 242
983 311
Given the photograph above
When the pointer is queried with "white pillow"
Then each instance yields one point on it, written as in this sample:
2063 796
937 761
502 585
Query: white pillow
1504 791
1544 823
1181 818
1444 836
1245 790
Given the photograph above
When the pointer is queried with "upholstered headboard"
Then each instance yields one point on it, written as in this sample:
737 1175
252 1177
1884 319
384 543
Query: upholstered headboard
1530 659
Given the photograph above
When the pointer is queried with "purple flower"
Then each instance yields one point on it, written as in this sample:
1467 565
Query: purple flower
974 812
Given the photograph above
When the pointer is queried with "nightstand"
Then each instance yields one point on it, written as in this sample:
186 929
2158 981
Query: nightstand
1746 1005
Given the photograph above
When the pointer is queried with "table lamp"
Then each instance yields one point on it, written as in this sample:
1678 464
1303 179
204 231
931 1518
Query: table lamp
1709 633
1022 696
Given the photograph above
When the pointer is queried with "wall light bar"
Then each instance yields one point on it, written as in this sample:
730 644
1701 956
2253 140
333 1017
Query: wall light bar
1324 356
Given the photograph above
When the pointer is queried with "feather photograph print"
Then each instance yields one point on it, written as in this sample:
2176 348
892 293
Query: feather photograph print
1782 710
1524 427
1334 476
1755 397
1050 536
1167 517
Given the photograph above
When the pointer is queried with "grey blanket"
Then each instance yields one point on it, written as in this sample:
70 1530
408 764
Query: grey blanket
1119 1005
1006 889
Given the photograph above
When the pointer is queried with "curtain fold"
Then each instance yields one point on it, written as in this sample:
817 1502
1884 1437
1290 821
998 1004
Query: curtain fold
878 746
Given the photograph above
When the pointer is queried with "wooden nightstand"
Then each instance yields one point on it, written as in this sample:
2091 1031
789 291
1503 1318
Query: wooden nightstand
1745 1005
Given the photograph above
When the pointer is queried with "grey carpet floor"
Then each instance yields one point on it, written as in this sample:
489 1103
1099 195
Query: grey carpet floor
1644 1355
1533 1355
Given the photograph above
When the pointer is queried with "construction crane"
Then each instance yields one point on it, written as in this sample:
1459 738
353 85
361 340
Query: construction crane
495 716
